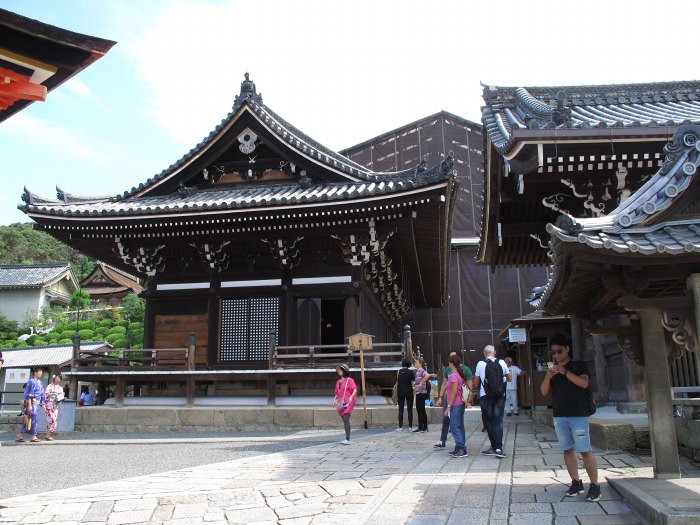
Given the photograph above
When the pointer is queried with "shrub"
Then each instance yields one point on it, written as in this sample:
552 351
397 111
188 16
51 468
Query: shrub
109 314
67 334
38 341
65 342
86 335
117 330
106 323
124 323
60 327
111 338
20 344
136 326
13 335
121 343
86 325
138 346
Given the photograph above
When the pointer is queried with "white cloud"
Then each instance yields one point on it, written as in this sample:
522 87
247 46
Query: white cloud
346 71
62 141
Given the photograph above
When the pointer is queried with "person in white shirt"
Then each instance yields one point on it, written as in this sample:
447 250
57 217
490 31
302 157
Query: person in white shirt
491 376
512 387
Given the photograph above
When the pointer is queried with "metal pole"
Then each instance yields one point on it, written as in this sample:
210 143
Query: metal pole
362 375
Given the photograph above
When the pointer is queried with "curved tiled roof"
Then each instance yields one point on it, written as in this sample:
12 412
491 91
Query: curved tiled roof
30 275
247 100
637 226
660 104
237 197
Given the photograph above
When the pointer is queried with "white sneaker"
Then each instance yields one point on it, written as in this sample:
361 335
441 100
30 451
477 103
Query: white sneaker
399 429
345 442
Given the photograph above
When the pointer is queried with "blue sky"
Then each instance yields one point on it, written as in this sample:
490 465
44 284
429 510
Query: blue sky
342 72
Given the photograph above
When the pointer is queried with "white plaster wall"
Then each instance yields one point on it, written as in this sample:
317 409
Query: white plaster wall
15 303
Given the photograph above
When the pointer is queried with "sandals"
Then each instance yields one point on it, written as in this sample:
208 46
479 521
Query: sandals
35 440
20 441
49 438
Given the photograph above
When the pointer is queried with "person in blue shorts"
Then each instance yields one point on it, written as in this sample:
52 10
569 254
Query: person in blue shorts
567 380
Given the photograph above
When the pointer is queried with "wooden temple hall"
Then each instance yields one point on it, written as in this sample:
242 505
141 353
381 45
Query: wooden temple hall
262 252
600 184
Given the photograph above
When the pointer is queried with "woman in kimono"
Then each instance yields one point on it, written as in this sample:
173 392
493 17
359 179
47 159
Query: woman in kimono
344 399
33 398
54 395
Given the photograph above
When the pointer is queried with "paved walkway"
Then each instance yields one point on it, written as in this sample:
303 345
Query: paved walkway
390 478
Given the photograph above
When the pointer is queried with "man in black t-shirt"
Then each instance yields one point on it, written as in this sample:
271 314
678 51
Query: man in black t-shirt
568 381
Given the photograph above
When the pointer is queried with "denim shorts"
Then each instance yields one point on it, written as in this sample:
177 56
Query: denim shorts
573 432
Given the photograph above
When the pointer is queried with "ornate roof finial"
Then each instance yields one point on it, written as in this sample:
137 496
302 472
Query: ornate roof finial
248 92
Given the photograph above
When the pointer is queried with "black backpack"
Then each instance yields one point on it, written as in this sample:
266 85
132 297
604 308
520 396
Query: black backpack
494 386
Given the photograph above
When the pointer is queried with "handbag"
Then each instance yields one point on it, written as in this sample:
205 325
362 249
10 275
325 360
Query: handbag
395 391
342 405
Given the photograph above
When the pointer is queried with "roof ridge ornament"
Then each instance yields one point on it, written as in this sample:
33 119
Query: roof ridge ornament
248 92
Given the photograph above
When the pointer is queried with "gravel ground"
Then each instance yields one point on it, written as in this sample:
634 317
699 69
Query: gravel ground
27 468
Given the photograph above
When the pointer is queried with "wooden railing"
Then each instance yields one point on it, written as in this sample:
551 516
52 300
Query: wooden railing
152 358
324 356
684 391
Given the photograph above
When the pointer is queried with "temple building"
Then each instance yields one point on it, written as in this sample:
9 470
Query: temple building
604 178
260 232
108 286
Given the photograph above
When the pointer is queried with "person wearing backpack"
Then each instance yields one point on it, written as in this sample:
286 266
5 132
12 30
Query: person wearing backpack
491 377
568 381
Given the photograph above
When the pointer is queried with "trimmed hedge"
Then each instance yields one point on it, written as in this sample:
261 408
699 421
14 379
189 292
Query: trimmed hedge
117 330
112 338
121 343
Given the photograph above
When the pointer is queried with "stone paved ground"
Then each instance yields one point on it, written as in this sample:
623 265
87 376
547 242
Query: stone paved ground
390 478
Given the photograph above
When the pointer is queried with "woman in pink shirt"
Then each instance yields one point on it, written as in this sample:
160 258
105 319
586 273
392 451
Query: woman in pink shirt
454 408
345 397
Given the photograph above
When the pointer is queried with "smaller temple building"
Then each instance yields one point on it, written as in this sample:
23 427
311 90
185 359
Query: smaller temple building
108 286
27 288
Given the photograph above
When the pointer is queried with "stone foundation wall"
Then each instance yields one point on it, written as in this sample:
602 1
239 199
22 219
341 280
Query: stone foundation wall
153 419
604 434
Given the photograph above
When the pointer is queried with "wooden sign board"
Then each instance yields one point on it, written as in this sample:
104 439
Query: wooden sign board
360 341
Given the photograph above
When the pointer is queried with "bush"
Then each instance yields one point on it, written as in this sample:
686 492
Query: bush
117 330
67 334
38 341
109 314
137 346
111 338
20 344
61 327
13 335
106 323
65 342
85 335
136 326
121 343
125 324
86 325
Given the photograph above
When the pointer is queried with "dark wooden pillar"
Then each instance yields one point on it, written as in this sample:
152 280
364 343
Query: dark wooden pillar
214 315
121 388
271 382
190 385
149 318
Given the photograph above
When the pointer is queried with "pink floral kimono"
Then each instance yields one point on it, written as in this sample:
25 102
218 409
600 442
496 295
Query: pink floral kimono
54 395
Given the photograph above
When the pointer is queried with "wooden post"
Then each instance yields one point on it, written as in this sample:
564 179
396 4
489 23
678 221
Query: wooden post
73 394
190 385
361 342
364 392
121 387
271 383
407 343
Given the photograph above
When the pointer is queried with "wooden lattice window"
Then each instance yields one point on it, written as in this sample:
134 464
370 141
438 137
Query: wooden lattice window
245 328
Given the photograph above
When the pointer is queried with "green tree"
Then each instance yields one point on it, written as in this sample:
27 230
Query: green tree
79 300
133 308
